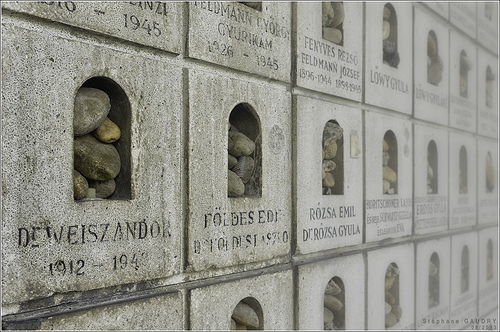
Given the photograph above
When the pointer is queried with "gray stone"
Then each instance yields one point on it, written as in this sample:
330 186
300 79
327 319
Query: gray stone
385 146
235 186
332 34
327 14
435 71
103 189
80 185
389 174
96 160
107 132
431 46
244 168
231 161
332 303
386 30
91 108
490 175
328 165
332 288
330 147
388 308
328 180
239 145
332 131
387 13
386 185
389 282
245 315
90 193
338 9
389 298
328 316
385 158
397 311
465 63
390 320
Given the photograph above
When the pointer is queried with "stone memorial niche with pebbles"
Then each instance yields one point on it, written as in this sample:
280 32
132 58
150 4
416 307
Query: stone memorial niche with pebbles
393 311
490 173
464 270
434 280
247 315
101 128
434 62
490 79
465 67
432 168
332 173
334 305
462 174
244 153
332 19
390 163
390 36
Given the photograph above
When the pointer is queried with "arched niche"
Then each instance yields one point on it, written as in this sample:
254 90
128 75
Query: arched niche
244 152
489 260
334 305
332 21
392 308
462 164
247 315
432 168
488 91
489 173
390 163
434 62
390 36
332 163
118 188
434 280
464 270
465 66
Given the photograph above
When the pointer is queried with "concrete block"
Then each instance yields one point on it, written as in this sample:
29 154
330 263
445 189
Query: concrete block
431 68
388 215
463 83
488 271
328 220
440 7
463 16
430 172
402 286
487 25
270 296
227 231
394 79
50 242
487 94
433 284
156 24
464 282
462 180
487 181
312 282
238 36
326 64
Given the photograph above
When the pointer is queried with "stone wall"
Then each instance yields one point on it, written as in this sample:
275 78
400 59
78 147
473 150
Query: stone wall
249 165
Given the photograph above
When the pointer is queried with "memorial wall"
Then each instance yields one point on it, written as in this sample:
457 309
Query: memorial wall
249 165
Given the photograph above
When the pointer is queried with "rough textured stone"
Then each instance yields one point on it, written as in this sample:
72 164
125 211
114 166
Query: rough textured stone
332 34
231 161
392 271
332 303
389 174
239 145
327 14
107 132
390 320
397 311
233 325
235 186
328 180
328 165
328 316
330 147
80 185
338 9
103 189
385 158
244 314
244 168
91 108
332 288
91 193
96 160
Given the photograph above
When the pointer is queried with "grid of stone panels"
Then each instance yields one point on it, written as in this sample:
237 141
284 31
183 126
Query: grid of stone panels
223 116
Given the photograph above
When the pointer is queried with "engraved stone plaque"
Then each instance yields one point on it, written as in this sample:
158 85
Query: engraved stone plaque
463 16
430 172
327 220
431 68
226 229
487 25
153 23
50 242
248 38
389 199
330 64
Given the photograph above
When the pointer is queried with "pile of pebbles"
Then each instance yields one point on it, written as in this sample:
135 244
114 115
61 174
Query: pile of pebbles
430 176
240 164
433 285
96 160
393 311
334 307
490 174
244 318
434 62
332 137
389 176
465 67
332 18
391 55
